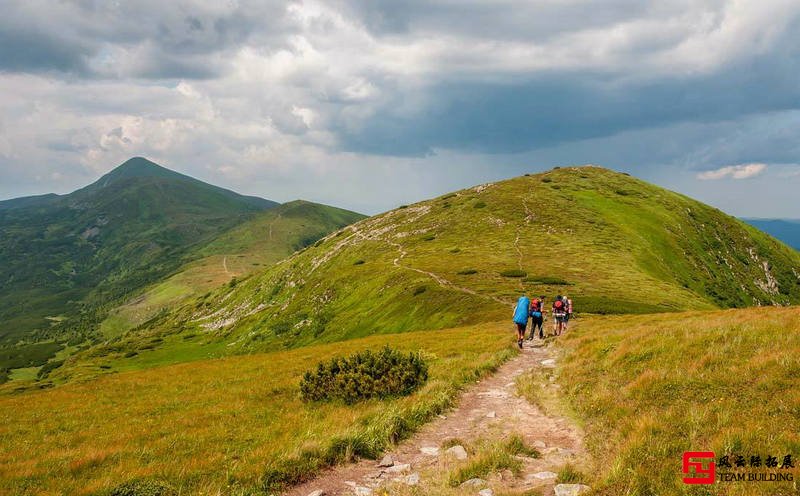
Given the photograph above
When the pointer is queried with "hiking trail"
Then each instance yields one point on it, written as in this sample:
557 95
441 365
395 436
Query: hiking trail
490 409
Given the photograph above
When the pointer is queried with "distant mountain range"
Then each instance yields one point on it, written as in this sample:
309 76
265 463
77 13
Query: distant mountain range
68 260
786 230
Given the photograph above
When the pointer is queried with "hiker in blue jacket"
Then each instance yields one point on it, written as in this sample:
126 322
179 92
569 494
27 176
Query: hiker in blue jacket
521 314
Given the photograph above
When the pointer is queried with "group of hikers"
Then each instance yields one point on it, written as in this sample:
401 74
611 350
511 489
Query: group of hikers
534 311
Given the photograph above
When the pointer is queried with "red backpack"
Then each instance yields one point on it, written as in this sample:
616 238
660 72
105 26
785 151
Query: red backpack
536 305
558 305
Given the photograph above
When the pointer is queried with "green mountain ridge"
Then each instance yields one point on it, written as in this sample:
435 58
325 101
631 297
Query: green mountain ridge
246 248
614 243
71 259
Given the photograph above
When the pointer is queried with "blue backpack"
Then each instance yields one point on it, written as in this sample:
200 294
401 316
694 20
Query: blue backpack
521 312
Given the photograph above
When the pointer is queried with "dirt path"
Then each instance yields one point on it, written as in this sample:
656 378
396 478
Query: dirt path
441 281
492 409
225 264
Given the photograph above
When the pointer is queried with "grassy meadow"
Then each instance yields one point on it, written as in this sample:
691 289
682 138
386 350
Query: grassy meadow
647 388
233 425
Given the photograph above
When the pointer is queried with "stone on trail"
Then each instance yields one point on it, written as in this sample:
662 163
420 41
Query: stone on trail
318 492
491 415
538 444
398 468
362 491
486 492
473 483
411 480
571 489
550 362
543 475
387 461
429 450
457 451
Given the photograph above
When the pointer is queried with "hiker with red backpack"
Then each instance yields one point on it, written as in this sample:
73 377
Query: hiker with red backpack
537 317
521 313
559 314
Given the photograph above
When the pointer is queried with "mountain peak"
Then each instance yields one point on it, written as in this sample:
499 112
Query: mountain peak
138 167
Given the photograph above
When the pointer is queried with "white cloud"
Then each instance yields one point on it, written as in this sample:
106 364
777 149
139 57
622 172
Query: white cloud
742 171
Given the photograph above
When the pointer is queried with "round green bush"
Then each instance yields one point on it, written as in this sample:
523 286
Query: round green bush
514 273
143 487
363 375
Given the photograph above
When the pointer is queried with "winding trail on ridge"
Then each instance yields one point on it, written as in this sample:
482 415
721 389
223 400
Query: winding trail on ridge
490 408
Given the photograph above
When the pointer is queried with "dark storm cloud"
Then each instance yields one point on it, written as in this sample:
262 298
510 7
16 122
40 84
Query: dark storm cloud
503 20
146 39
563 106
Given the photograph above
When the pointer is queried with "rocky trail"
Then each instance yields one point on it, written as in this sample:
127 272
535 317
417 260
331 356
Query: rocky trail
491 409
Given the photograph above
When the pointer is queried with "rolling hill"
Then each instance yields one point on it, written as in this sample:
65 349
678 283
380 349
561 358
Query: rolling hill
614 243
71 260
249 247
67 258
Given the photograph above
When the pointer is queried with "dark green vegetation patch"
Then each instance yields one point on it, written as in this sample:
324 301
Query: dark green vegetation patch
513 273
363 375
143 487
548 280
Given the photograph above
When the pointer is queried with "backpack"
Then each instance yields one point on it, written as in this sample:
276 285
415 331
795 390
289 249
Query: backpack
536 305
521 311
558 306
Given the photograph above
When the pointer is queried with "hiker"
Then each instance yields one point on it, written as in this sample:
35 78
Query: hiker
559 314
521 313
537 317
568 308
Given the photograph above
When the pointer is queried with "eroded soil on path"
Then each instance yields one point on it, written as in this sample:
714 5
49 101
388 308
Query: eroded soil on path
491 409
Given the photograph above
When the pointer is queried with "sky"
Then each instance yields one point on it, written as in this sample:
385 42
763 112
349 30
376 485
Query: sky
369 104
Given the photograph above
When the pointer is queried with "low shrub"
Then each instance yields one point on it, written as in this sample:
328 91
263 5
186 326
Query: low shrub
553 281
358 262
480 204
455 250
363 375
547 180
429 237
514 273
466 272
143 487
419 290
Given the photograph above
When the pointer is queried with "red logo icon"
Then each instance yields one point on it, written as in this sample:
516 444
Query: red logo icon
701 475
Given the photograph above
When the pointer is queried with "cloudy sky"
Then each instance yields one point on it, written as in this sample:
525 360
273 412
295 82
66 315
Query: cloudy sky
371 103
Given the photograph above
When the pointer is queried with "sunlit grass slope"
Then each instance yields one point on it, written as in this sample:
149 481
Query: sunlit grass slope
247 248
223 426
614 243
651 387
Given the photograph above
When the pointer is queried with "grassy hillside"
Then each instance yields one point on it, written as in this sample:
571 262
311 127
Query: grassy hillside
249 247
649 388
226 426
614 243
68 259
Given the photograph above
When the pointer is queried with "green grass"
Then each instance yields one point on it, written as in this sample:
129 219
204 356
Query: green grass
650 387
493 456
247 248
647 251
216 425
